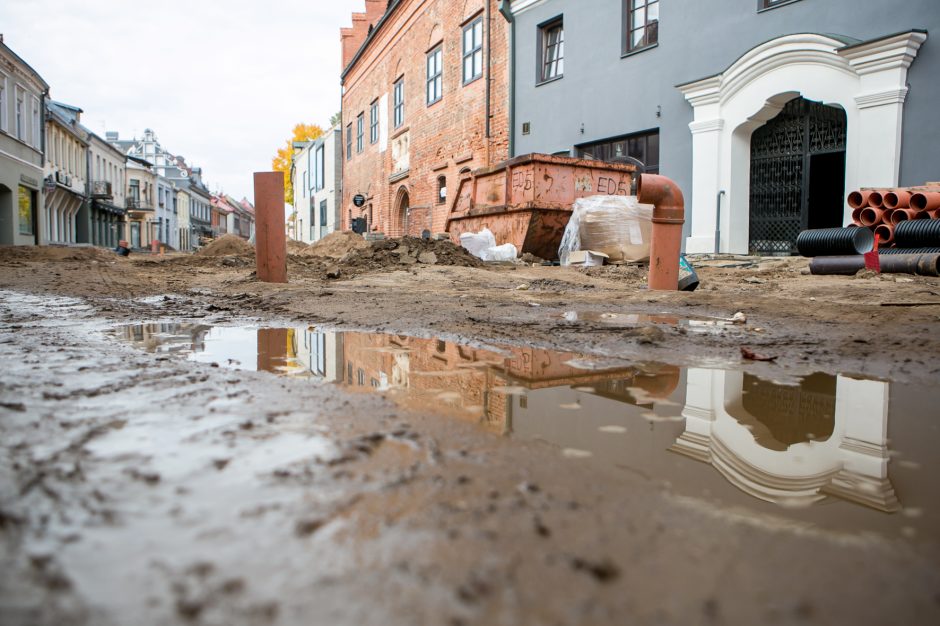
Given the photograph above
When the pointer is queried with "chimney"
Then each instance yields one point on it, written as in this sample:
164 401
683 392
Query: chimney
362 24
112 135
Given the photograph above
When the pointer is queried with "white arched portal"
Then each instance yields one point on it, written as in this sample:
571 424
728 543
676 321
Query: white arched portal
867 80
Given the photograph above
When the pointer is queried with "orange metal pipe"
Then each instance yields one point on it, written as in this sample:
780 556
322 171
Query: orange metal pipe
897 199
925 201
668 218
270 238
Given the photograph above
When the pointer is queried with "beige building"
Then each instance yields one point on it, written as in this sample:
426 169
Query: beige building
183 204
141 188
22 91
66 176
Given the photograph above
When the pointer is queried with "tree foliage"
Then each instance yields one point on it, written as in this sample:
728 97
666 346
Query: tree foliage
282 161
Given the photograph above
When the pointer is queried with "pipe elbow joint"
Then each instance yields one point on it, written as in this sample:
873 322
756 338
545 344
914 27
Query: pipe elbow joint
665 196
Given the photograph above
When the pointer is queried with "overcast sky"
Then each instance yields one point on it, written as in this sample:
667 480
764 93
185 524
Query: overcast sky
221 82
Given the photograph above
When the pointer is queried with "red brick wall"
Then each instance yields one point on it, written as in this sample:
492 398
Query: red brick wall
445 137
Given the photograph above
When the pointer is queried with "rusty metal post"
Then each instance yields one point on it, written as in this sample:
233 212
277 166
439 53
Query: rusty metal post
270 238
666 240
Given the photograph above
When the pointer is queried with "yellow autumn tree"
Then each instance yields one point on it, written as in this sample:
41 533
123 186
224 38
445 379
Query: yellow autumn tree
282 161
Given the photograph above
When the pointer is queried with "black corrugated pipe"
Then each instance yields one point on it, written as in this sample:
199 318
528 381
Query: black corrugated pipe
917 234
506 11
934 250
835 241
918 264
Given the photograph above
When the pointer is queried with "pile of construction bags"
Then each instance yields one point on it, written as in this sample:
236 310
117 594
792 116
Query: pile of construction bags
615 229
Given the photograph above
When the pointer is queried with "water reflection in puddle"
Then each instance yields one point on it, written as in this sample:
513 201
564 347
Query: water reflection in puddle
834 451
695 324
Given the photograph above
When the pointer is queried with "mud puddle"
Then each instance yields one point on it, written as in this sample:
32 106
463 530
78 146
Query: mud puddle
835 451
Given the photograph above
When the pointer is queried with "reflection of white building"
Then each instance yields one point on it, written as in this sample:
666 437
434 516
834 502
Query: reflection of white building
843 452
321 352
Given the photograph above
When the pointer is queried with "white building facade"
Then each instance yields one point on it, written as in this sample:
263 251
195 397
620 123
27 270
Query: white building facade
22 92
64 219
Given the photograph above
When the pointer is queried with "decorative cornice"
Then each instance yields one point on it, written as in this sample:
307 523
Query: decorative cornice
707 126
891 96
892 52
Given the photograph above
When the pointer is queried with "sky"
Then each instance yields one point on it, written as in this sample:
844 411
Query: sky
221 82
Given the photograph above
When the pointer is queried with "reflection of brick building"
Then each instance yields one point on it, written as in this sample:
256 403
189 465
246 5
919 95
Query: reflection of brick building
425 86
435 372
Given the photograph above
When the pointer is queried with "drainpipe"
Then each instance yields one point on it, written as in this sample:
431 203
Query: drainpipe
666 241
506 11
489 87
718 221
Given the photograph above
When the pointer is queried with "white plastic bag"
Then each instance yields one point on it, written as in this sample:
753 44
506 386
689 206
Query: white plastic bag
476 243
505 252
618 226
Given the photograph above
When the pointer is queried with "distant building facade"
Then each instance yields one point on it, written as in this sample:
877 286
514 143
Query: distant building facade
141 209
424 102
765 112
65 211
107 180
318 180
22 93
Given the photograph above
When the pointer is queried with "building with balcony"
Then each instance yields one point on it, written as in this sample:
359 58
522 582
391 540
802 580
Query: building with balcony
765 112
107 173
199 208
424 103
22 92
65 217
148 148
141 188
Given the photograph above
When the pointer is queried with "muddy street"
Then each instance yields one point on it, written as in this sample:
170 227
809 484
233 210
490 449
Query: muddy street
429 443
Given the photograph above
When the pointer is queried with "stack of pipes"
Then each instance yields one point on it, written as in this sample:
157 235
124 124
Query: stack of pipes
881 210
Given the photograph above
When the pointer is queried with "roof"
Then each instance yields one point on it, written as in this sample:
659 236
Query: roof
35 74
392 5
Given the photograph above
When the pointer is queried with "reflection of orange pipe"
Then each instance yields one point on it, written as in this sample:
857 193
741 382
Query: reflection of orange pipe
885 232
668 217
925 201
869 216
900 215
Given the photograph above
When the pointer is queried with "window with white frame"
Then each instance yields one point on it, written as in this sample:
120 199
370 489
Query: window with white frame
360 126
3 102
399 108
20 127
36 118
552 50
318 168
473 50
374 121
435 75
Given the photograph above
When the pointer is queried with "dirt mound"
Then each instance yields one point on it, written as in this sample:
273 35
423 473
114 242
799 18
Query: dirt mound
227 245
392 253
55 253
296 247
336 245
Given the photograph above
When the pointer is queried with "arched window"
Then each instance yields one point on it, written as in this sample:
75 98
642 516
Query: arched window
441 189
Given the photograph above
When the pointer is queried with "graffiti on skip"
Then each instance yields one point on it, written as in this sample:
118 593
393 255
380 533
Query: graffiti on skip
522 180
613 187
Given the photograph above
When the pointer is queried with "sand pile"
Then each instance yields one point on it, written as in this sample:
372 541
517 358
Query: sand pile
55 253
296 247
336 245
227 245
395 253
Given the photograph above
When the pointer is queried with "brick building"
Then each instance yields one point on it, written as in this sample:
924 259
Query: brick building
425 86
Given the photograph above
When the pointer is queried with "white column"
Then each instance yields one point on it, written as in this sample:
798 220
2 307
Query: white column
882 68
706 130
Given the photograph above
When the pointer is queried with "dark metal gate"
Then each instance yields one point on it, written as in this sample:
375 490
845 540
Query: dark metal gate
781 152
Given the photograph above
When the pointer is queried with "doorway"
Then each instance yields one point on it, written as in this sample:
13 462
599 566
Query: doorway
402 210
797 175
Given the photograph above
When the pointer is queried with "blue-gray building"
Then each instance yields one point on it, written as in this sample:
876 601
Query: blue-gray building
765 112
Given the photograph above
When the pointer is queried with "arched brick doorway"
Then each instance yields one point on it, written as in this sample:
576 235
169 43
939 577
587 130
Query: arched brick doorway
402 204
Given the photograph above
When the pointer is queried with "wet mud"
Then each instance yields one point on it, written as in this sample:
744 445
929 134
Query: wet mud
464 446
